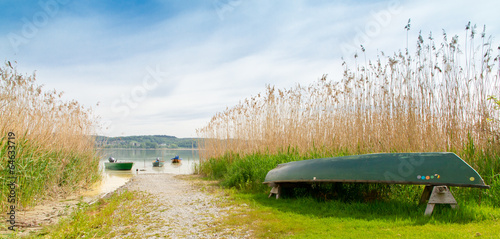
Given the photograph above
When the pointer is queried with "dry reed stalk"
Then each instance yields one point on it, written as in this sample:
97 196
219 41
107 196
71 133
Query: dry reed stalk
55 142
427 102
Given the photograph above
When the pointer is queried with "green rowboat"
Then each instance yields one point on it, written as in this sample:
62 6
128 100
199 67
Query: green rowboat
118 165
431 169
436 171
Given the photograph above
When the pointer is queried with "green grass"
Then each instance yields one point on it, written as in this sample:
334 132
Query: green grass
115 216
309 218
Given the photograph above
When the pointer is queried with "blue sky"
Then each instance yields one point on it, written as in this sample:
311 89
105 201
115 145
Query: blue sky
166 67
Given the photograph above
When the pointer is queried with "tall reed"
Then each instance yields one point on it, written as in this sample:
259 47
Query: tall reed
433 100
54 144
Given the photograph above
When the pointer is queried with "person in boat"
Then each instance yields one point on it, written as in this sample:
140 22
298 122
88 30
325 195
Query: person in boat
112 160
157 159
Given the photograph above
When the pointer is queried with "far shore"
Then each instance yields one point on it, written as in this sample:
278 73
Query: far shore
153 148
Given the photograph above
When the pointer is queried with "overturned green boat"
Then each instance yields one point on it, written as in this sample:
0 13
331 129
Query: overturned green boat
393 168
437 171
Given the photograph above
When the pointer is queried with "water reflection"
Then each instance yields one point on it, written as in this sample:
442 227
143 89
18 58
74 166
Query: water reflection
111 180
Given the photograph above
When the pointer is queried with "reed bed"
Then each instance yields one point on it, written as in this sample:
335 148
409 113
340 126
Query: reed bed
55 152
436 99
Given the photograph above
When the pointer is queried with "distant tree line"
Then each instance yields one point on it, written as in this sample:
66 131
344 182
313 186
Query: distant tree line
146 141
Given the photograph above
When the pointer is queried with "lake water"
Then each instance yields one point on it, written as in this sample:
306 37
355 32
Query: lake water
143 163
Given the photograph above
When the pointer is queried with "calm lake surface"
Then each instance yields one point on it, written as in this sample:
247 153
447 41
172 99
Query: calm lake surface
143 163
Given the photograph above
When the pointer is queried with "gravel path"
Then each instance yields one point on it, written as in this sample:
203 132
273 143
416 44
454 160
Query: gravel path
183 209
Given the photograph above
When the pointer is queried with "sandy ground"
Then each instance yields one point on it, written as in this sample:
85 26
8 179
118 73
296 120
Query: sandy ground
46 214
183 208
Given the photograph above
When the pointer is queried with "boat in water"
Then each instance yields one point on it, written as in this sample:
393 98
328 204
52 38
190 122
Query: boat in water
176 159
113 164
158 163
119 165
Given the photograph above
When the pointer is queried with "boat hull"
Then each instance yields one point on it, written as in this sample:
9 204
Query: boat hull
176 159
399 168
119 165
158 164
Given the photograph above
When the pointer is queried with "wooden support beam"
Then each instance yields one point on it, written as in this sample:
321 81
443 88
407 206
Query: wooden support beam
426 194
439 195
431 195
275 190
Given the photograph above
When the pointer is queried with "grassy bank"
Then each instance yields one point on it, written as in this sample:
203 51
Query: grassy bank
435 100
305 217
308 218
115 216
46 147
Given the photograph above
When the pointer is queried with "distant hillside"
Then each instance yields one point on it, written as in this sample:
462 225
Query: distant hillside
146 141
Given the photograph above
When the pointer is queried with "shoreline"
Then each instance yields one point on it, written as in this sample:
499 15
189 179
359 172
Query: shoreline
50 212
194 149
